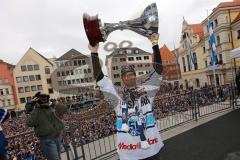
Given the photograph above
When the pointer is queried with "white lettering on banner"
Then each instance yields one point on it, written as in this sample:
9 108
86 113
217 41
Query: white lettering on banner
123 146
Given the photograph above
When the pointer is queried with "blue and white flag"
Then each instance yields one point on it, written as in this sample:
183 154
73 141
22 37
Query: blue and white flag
212 41
188 45
175 55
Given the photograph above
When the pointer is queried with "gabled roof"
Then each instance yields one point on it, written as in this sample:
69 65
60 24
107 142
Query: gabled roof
71 54
10 66
236 19
41 56
118 52
227 4
37 54
197 29
166 55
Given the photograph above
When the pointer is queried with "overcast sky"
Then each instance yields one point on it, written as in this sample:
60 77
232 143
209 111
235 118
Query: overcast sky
52 27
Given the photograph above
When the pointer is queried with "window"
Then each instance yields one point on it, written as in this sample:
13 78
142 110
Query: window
58 74
38 77
69 82
220 59
23 68
29 99
22 100
83 62
7 91
122 59
79 62
146 57
32 78
116 67
33 88
90 79
75 63
216 22
238 34
82 80
206 64
63 73
189 63
184 64
47 70
117 83
139 65
50 91
27 89
86 79
49 81
116 75
89 70
9 102
212 24
67 73
72 73
20 90
204 50
19 79
140 73
30 67
1 92
195 61
218 40
77 81
133 66
73 81
197 82
39 87
139 58
130 58
25 79
36 67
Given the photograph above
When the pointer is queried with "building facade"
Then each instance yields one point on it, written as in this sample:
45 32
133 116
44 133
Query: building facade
8 96
74 75
224 21
171 69
192 66
31 75
221 19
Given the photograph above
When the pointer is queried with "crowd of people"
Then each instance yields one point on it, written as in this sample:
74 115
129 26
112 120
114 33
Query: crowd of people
99 121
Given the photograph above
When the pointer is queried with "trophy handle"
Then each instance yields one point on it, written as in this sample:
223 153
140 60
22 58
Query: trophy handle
92 28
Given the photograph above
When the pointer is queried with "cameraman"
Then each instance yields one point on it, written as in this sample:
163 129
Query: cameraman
47 124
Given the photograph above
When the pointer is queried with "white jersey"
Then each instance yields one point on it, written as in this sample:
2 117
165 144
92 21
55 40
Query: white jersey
129 143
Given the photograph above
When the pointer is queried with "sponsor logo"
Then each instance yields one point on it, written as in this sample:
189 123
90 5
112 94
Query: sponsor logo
123 146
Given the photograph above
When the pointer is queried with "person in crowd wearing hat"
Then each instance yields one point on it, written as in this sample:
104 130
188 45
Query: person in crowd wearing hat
45 117
4 115
137 134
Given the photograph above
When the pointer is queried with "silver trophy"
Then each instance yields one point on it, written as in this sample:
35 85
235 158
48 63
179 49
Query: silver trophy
145 25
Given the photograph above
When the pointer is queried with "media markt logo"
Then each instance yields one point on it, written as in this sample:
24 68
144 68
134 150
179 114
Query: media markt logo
123 146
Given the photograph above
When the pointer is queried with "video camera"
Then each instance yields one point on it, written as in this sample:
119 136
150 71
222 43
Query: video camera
42 98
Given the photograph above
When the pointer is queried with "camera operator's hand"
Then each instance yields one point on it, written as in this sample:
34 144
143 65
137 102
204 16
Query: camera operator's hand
30 105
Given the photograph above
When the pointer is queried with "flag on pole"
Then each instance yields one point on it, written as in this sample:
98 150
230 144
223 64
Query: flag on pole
175 54
188 45
212 41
